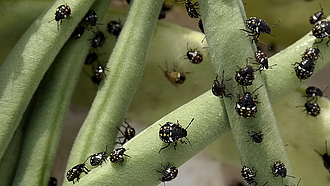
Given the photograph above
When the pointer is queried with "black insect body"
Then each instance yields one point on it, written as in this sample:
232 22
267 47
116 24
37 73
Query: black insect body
169 173
114 28
99 74
52 181
246 106
62 12
311 53
129 133
305 69
257 26
98 40
91 58
175 77
317 16
313 109
257 137
78 32
325 157
194 56
91 18
219 89
117 156
172 133
76 171
248 175
280 170
321 30
262 60
313 92
245 76
98 158
192 9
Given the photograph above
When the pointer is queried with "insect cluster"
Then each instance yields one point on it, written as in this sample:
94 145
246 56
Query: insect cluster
278 169
116 156
321 28
245 107
303 70
89 22
313 94
172 133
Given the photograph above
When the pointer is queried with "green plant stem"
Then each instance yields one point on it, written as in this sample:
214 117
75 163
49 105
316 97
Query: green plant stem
140 169
126 66
259 156
9 162
206 109
29 60
54 94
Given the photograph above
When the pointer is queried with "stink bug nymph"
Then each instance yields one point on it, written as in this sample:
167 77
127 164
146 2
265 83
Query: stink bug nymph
219 89
257 26
313 109
313 92
78 32
172 133
114 28
262 60
248 175
256 137
321 30
98 158
117 155
191 8
246 106
98 40
129 133
325 157
76 171
99 73
245 76
317 16
311 53
91 18
175 77
305 69
62 12
279 169
194 56
169 173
